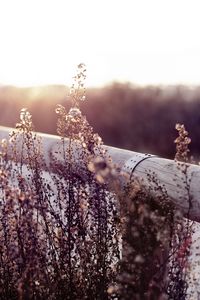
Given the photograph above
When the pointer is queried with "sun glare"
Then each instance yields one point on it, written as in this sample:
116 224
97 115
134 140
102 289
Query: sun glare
146 42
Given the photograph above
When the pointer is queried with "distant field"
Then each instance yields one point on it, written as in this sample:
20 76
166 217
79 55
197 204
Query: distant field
140 119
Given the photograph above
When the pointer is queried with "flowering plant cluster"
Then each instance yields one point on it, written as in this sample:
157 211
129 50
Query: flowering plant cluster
66 229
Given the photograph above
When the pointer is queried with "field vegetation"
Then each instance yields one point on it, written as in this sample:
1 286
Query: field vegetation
72 231
137 118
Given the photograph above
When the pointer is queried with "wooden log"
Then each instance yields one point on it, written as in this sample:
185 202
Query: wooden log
180 181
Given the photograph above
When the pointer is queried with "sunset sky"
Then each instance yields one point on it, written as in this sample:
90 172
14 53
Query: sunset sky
141 41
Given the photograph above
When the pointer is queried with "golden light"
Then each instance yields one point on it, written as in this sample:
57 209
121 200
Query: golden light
146 42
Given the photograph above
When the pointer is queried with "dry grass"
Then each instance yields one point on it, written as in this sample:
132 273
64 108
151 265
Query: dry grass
67 232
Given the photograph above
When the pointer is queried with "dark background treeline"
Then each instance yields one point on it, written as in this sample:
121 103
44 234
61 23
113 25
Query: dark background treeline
126 116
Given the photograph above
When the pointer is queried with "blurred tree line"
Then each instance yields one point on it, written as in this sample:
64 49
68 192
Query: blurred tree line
127 116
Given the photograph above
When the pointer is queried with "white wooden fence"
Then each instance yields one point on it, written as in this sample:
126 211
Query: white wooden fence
183 190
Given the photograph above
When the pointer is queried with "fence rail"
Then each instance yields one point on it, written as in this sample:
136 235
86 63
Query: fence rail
180 181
